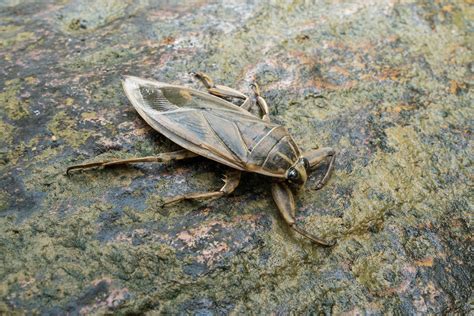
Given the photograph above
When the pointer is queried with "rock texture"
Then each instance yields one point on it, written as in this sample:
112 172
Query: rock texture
386 83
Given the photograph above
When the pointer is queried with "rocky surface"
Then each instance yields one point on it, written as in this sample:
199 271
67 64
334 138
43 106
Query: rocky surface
386 83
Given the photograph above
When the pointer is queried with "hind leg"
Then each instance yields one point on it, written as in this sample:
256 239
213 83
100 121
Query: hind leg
163 157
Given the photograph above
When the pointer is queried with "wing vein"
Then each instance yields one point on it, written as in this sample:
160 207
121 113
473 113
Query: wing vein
266 135
270 151
222 141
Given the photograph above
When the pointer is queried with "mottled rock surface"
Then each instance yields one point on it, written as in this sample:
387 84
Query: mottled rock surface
386 83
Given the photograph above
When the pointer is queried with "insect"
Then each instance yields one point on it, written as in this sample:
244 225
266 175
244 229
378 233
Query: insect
208 125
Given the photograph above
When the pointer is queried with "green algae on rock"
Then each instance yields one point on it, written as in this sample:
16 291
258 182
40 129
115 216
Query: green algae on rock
12 104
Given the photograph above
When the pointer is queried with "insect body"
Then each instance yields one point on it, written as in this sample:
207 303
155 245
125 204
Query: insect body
206 124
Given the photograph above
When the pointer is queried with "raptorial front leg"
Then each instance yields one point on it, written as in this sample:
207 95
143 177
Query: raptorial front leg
163 157
285 202
316 158
231 181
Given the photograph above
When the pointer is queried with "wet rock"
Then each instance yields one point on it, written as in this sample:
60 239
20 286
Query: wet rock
386 83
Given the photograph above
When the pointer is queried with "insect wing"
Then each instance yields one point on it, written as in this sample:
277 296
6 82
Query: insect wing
199 122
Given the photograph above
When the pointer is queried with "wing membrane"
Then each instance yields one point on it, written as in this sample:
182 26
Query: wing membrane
199 122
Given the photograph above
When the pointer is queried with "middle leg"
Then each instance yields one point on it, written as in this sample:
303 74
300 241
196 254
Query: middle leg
226 92
222 91
261 103
231 181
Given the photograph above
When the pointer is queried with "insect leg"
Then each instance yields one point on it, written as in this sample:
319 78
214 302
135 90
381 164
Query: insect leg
222 91
316 157
261 102
285 202
163 157
231 181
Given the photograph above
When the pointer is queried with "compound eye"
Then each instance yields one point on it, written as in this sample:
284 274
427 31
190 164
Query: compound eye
292 174
306 164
